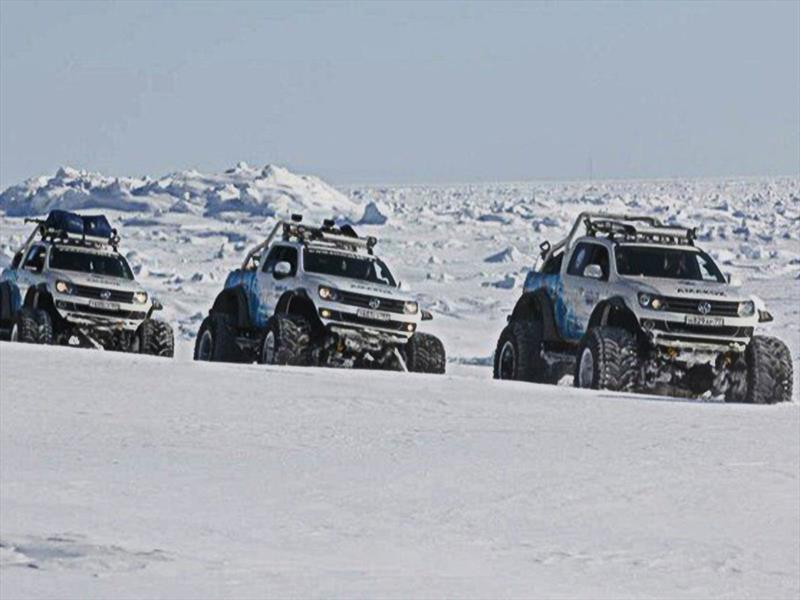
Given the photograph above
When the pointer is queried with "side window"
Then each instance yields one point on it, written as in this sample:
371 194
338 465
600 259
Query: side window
589 254
273 258
580 258
553 265
290 256
35 258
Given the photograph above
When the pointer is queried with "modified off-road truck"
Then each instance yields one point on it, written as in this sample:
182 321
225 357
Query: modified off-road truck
317 296
68 284
625 303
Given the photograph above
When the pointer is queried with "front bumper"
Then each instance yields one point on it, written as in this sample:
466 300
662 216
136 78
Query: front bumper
349 320
676 333
100 315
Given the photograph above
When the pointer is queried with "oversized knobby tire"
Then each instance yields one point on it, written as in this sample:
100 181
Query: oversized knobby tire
518 355
425 354
26 328
607 360
286 341
45 324
216 340
156 338
769 372
9 300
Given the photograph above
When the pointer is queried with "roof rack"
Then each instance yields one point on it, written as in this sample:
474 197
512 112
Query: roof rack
71 228
623 228
328 235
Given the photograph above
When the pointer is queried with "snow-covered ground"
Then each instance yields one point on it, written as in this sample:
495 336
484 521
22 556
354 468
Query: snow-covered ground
126 476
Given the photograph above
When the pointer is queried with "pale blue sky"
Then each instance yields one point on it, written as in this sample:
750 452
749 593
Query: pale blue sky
385 92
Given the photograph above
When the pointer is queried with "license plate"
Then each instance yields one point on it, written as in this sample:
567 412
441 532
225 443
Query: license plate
708 321
375 315
104 305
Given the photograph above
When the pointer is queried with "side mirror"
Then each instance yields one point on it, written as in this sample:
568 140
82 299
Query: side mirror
282 269
733 280
157 305
427 315
593 272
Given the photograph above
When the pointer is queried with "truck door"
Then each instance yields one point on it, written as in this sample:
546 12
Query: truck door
32 266
271 285
585 285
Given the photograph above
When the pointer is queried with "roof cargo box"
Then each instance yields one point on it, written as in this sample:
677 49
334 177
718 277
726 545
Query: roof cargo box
62 220
87 227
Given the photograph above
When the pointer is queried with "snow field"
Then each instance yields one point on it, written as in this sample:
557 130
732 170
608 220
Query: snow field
128 476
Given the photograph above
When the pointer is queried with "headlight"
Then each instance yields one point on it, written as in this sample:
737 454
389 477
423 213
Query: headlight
649 301
140 297
327 293
62 287
411 308
747 309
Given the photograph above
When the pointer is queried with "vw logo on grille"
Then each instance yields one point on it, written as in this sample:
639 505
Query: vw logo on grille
374 303
704 308
105 294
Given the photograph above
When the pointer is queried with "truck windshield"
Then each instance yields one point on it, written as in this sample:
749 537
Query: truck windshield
110 265
373 270
667 263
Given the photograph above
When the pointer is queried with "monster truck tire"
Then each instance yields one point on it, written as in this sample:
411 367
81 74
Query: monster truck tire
425 354
216 340
287 341
7 320
607 360
519 353
769 372
26 329
156 338
45 324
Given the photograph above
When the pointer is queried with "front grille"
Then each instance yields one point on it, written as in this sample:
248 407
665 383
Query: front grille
363 300
87 291
85 309
690 306
674 327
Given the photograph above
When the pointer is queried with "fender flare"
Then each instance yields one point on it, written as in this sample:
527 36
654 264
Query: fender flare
614 312
10 300
39 296
233 301
537 305
297 302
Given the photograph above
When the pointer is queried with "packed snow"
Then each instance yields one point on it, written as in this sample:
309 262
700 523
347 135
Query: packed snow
143 477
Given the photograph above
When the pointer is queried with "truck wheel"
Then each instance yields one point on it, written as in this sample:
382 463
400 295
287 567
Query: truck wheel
216 340
26 327
519 353
45 324
156 338
287 341
8 295
607 360
769 371
425 354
